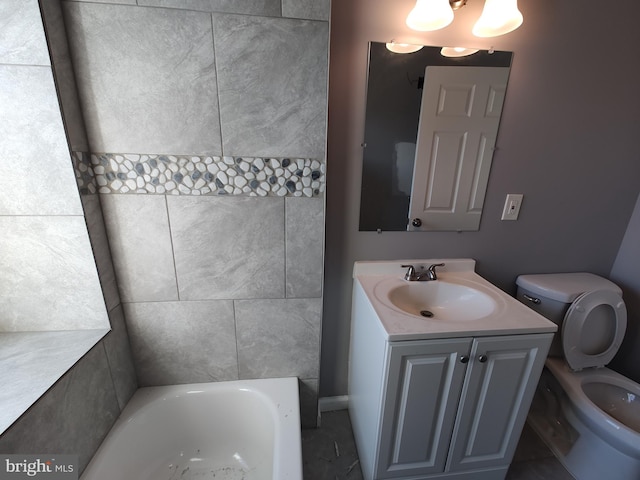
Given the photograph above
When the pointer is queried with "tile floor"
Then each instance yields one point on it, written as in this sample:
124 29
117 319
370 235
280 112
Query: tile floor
329 453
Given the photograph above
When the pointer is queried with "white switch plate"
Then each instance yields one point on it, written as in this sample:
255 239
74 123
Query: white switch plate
512 206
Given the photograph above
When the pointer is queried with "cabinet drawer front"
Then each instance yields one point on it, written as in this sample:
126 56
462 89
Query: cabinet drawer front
424 385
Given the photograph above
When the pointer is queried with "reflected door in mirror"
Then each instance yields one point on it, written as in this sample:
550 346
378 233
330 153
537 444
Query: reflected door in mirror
459 119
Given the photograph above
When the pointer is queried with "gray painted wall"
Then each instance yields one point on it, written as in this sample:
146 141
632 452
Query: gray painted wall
567 141
626 273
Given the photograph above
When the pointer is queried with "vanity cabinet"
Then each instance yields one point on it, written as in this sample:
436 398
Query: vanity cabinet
450 408
456 405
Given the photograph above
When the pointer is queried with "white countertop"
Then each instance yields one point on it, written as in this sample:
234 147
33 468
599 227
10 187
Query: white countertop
31 362
510 317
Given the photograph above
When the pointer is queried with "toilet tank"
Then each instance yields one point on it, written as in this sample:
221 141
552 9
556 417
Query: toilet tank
552 294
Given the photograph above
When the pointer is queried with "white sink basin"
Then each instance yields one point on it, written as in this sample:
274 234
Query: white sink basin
461 301
441 300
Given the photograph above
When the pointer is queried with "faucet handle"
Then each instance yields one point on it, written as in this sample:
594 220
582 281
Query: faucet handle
411 272
432 270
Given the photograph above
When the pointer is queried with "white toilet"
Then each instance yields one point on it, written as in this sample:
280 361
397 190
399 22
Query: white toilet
588 414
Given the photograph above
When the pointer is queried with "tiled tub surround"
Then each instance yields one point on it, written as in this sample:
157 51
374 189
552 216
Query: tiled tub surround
193 82
214 285
52 314
198 175
312 9
75 414
220 287
33 361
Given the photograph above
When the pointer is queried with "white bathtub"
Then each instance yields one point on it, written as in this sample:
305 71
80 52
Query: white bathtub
240 430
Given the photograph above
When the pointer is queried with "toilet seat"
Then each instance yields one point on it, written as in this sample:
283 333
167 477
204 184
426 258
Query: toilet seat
575 328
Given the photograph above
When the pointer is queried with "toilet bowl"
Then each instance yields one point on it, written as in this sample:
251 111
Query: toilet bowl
588 414
607 404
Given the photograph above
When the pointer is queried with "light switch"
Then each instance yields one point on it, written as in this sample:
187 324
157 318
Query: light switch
512 206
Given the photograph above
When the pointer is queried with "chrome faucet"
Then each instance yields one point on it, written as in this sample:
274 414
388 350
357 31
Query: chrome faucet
430 274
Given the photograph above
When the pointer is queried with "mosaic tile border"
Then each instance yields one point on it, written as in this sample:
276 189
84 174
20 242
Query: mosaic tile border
198 175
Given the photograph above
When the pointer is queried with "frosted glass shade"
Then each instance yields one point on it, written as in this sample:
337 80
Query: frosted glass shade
498 17
457 51
402 47
430 15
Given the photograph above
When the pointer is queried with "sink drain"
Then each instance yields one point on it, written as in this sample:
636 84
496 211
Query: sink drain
426 313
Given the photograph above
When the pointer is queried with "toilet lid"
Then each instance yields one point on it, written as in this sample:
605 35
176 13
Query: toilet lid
593 329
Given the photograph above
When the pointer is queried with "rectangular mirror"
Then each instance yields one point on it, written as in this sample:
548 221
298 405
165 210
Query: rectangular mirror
430 131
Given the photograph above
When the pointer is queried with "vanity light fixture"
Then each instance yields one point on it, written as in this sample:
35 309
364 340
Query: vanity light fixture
457 51
402 47
498 16
429 15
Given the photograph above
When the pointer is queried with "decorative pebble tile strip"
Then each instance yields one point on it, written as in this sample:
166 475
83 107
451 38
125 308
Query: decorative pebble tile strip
85 177
203 175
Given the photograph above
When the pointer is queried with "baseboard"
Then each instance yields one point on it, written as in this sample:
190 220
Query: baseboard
329 404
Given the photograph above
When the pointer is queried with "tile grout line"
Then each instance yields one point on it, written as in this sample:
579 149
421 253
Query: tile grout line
173 250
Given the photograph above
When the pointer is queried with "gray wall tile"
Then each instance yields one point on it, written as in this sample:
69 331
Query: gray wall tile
101 250
159 97
123 2
138 230
272 83
304 238
49 279
65 79
248 7
73 417
22 39
309 9
182 342
118 350
228 247
37 177
278 338
32 362
308 392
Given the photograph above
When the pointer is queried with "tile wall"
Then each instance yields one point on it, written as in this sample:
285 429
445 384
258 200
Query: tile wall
48 237
206 128
44 238
77 412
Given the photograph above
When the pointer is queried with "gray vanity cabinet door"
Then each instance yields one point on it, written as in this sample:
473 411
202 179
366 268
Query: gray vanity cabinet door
503 374
424 382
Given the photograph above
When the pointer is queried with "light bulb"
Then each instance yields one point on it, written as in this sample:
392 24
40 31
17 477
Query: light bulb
457 51
430 15
402 47
498 17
